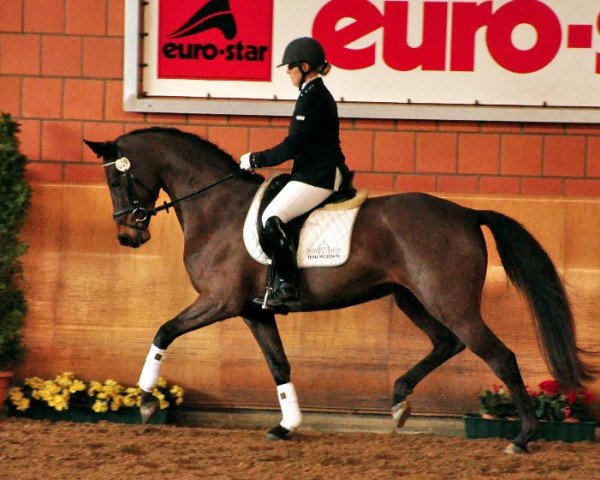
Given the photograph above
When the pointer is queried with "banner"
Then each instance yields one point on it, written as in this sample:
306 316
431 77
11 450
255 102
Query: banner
386 54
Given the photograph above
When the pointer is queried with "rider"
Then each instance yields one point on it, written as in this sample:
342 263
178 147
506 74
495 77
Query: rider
313 142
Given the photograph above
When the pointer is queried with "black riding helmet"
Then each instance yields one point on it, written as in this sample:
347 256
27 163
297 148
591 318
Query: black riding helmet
304 49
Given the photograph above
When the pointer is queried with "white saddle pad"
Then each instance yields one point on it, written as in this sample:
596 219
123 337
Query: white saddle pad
324 238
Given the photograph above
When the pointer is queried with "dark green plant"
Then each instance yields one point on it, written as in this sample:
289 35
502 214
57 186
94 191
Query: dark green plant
14 202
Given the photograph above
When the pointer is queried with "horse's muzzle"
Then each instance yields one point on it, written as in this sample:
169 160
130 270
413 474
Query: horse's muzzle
133 238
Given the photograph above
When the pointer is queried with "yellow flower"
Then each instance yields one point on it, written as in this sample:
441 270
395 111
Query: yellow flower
23 404
59 402
161 383
130 401
163 404
65 379
34 382
77 386
100 406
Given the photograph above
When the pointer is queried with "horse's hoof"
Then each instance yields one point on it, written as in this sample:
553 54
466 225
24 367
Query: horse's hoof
278 433
515 449
400 413
148 410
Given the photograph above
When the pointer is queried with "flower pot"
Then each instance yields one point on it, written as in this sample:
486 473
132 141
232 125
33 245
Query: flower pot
477 427
4 382
82 415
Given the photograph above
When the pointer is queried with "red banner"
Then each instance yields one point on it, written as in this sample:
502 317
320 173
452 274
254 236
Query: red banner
215 39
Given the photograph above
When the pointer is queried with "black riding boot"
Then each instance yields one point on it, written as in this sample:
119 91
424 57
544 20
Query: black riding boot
283 258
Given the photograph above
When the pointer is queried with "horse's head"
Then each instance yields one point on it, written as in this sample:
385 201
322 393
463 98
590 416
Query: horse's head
133 190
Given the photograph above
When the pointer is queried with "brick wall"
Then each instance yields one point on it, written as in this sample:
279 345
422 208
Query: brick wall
61 78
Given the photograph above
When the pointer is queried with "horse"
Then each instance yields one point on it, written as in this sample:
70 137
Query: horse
431 257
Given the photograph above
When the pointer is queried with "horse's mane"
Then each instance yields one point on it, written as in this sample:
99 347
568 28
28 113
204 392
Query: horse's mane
201 142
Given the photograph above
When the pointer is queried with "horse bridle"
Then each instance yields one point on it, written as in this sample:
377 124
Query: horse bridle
139 214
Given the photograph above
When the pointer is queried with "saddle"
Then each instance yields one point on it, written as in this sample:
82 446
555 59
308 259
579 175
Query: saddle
311 234
293 228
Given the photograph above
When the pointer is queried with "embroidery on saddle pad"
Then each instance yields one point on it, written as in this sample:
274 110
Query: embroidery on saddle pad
324 238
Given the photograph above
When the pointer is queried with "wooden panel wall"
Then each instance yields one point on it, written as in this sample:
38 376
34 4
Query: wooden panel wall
95 307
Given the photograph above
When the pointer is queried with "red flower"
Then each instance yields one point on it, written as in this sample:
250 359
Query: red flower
571 396
550 387
588 397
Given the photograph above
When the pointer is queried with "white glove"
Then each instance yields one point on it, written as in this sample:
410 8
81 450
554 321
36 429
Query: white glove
245 161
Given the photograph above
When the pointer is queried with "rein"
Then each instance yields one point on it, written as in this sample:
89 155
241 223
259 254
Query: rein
141 214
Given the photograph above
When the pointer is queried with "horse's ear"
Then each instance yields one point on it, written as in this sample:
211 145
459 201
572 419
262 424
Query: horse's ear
103 149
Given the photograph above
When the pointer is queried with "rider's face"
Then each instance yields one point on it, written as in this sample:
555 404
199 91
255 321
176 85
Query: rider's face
295 74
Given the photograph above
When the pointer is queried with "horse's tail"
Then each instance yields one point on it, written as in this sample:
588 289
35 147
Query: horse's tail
531 270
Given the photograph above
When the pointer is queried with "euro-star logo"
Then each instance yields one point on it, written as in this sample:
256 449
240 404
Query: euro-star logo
215 39
457 21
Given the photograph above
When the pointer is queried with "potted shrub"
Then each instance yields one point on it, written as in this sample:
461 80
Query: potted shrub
564 414
14 202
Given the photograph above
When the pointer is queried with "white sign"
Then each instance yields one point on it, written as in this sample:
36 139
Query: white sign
488 60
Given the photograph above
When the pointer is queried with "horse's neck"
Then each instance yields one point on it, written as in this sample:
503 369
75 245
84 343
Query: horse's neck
221 205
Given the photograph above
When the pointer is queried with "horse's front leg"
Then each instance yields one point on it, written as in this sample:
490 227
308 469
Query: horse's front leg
264 329
203 312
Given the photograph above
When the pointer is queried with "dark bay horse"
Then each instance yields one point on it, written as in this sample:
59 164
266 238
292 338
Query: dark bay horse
427 252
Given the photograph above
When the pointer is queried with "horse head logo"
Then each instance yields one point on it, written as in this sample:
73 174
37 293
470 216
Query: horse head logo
215 14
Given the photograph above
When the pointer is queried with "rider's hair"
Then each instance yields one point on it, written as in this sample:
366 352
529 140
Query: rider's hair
324 68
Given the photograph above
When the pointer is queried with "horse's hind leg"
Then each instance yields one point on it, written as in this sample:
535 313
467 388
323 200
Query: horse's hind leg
264 329
445 345
483 342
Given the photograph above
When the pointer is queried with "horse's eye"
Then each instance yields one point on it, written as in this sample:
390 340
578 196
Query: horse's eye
115 184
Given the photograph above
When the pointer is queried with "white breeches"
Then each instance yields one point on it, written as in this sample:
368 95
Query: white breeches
297 198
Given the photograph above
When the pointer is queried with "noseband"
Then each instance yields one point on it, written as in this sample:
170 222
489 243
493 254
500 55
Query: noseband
140 215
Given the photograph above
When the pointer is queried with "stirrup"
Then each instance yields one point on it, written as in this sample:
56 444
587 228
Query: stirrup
263 301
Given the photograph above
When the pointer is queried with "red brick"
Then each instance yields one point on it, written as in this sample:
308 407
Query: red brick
415 183
100 132
499 185
209 119
37 172
394 152
116 18
451 126
583 129
114 104
42 97
542 186
501 127
234 140
83 99
593 157
263 138
79 173
166 118
357 146
103 57
281 122
47 16
10 95
200 130
436 152
582 188
11 16
61 141
416 125
250 121
61 56
521 155
86 17
374 124
346 124
543 128
564 155
30 137
457 184
381 182
20 54
478 153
